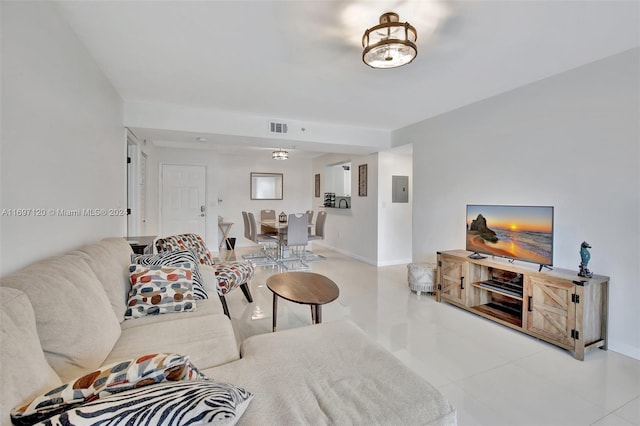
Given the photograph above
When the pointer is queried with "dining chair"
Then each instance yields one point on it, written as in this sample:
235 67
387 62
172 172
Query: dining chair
297 237
267 215
247 229
310 216
247 234
264 240
320 221
228 275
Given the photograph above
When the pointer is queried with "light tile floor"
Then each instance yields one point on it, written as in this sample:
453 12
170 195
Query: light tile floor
493 375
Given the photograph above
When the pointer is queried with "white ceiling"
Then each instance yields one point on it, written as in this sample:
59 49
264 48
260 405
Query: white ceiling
301 60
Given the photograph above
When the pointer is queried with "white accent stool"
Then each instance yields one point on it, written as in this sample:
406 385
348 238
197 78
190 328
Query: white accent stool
421 277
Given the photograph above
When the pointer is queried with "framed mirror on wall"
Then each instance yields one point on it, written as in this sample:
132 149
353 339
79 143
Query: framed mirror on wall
266 186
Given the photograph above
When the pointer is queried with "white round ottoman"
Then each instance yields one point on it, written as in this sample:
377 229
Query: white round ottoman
421 277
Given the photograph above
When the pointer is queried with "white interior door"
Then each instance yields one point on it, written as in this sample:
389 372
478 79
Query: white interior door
132 188
136 192
142 194
183 202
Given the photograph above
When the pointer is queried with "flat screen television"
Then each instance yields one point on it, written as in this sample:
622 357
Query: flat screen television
514 232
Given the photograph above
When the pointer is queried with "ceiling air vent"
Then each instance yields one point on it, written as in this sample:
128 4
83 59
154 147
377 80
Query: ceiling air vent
279 128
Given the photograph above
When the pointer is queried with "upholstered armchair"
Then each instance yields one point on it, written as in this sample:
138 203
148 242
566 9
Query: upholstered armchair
228 275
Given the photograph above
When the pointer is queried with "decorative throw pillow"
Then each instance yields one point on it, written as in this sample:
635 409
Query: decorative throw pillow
173 258
113 378
157 289
169 403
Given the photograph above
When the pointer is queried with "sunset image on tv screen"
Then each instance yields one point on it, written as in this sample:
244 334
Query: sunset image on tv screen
517 232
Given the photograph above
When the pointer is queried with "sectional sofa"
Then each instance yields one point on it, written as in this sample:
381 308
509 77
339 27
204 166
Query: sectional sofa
64 317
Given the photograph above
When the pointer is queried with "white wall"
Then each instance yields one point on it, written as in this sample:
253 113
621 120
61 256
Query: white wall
571 141
63 144
395 230
374 230
228 180
234 188
354 231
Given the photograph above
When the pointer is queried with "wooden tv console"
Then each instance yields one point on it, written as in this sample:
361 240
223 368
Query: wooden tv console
556 306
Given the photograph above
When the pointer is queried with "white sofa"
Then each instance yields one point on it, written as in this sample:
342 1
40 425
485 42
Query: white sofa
63 317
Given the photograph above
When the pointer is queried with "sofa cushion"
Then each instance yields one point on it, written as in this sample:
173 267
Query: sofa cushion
169 403
109 259
110 379
208 340
333 373
76 325
173 258
24 371
157 289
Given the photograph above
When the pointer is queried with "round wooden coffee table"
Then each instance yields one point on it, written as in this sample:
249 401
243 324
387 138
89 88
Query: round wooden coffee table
306 288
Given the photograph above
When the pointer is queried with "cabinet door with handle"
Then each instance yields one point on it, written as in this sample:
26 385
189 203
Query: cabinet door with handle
550 310
452 280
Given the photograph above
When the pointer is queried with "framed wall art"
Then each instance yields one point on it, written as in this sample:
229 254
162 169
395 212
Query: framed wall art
362 180
317 185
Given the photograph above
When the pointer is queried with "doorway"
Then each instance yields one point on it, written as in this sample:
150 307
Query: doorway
136 187
183 200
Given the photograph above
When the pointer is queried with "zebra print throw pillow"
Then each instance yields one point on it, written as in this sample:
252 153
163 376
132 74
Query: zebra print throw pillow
172 258
169 403
113 378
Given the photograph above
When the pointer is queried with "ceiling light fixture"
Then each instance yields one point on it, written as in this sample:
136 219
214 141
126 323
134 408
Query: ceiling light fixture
280 154
390 44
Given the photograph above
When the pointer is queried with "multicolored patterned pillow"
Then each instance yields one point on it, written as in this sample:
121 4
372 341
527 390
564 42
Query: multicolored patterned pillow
173 258
166 404
157 289
114 378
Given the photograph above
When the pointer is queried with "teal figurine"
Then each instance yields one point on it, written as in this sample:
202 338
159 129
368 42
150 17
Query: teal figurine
584 260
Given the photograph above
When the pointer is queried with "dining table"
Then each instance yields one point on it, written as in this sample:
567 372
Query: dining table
280 229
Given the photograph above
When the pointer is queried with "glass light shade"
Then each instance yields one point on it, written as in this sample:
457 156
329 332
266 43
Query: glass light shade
390 44
280 154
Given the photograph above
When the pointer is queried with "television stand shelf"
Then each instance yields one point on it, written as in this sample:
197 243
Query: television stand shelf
556 306
502 287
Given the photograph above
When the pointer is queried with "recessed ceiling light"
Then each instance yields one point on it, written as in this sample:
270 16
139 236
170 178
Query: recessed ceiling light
201 139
